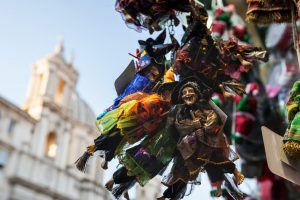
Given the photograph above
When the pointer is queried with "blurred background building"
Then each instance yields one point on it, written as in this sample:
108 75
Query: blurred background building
150 191
40 142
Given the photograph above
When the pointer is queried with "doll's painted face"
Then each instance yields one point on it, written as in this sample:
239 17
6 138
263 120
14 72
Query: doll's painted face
189 96
153 73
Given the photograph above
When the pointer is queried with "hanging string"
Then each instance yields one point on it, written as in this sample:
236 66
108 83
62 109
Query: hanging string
171 31
171 27
233 115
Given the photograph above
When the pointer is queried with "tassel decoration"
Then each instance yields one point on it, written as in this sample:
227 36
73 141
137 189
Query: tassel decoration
292 148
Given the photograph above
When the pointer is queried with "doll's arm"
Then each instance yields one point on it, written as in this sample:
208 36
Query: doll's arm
170 127
212 123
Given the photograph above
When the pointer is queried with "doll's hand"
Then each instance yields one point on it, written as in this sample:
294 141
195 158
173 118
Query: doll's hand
197 123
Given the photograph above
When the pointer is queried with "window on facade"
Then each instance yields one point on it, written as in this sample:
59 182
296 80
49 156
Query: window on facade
59 92
51 145
3 157
11 125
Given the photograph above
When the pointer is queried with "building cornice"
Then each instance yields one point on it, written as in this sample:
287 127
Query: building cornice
17 110
65 115
85 184
37 188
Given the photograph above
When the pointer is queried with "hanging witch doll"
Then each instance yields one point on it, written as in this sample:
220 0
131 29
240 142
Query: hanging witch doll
149 68
201 145
153 14
140 163
133 100
214 62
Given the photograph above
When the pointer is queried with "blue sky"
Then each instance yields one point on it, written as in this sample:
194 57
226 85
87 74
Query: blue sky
91 29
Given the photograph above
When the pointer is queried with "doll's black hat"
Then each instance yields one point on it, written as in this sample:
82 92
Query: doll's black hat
153 52
169 86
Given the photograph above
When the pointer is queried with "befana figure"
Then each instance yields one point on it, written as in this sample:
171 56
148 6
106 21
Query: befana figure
198 123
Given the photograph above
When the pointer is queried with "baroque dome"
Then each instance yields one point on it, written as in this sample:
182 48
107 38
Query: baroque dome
81 111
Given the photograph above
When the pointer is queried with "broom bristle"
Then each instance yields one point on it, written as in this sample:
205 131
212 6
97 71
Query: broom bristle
278 17
118 191
82 161
121 188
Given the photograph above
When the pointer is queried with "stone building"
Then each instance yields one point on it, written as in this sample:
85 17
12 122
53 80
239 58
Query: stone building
150 191
40 142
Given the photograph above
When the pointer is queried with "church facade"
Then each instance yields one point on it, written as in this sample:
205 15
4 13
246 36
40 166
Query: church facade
40 141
